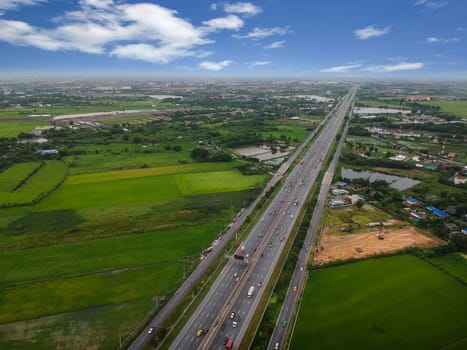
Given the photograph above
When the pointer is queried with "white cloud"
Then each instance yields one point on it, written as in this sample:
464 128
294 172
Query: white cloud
215 66
141 31
389 68
434 40
97 3
403 66
231 22
261 33
275 45
433 5
244 8
340 69
14 4
260 63
370 32
22 34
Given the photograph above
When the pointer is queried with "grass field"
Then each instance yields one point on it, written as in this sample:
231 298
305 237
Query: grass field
380 103
217 181
353 216
76 293
101 106
130 233
12 129
70 278
92 163
455 263
11 177
118 187
399 302
292 131
68 260
41 183
82 329
458 108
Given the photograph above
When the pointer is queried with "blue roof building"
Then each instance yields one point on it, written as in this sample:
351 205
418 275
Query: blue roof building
437 212
46 151
412 201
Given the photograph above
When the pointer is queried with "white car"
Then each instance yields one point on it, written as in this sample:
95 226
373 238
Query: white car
234 324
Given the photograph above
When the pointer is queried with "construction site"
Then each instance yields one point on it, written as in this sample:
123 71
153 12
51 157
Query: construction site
377 240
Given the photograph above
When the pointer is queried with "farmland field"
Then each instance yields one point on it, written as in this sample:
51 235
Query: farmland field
379 103
69 294
12 129
458 108
82 329
399 302
11 177
292 131
455 263
102 255
98 106
41 183
217 181
130 232
91 163
114 188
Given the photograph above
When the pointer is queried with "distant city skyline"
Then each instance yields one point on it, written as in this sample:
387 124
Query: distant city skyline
334 39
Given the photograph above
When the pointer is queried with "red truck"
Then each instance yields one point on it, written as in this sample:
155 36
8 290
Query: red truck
239 255
229 345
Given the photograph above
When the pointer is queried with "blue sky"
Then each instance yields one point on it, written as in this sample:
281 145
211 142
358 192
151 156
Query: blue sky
267 38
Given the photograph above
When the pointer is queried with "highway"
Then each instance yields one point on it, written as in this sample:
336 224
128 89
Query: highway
263 246
300 275
157 321
144 337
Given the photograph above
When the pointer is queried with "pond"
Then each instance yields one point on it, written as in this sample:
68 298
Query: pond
397 182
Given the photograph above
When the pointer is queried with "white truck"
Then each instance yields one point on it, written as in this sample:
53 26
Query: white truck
251 291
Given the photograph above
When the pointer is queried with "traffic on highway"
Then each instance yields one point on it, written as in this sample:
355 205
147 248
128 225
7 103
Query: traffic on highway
225 313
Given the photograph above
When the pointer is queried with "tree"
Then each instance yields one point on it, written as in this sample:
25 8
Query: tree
177 148
200 154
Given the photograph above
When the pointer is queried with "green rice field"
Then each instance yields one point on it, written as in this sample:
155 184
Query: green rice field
40 184
455 263
12 129
458 108
11 177
399 302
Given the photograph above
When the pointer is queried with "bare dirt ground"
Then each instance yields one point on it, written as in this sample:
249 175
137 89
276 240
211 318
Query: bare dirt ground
341 247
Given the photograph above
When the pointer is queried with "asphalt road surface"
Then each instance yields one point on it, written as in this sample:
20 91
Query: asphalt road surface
144 337
300 275
227 309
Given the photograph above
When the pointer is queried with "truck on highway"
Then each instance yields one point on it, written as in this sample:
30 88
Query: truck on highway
251 291
239 255
229 344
